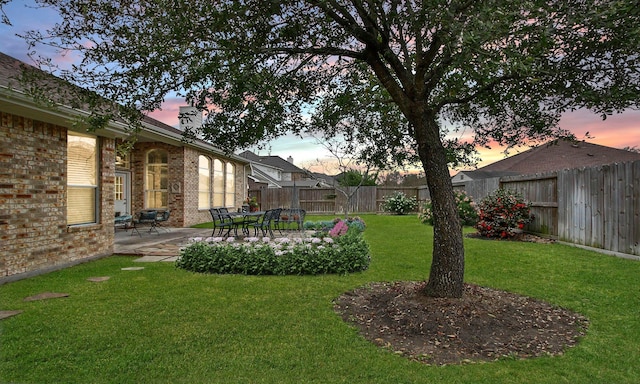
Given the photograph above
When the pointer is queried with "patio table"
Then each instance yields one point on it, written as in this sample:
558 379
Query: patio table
247 219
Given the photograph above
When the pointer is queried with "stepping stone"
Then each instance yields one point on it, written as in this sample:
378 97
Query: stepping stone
99 279
132 268
7 314
46 295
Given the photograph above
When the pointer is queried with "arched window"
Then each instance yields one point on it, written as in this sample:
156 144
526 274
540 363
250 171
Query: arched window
230 186
156 179
218 183
204 182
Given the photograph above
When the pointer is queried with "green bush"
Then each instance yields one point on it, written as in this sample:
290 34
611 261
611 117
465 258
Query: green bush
326 225
467 210
503 214
282 256
399 204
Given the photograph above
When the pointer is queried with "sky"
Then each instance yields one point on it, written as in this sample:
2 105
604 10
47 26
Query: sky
618 131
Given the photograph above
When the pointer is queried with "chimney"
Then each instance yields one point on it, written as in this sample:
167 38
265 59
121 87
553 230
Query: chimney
190 118
290 159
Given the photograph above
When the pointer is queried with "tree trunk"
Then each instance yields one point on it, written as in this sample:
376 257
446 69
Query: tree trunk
446 277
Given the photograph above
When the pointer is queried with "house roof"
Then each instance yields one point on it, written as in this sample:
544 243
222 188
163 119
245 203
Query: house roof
263 177
554 156
474 175
272 161
14 94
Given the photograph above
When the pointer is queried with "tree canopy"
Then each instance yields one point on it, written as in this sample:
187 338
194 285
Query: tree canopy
401 72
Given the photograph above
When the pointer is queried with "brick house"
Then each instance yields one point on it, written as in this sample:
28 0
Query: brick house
60 187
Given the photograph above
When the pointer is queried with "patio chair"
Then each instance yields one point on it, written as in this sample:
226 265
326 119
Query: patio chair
289 216
162 219
265 222
123 221
145 218
222 221
297 216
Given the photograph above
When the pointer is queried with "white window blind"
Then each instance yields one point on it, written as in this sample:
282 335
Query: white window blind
82 178
218 183
230 183
204 182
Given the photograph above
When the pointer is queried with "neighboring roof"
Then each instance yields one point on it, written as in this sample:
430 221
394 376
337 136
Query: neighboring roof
328 179
479 175
554 156
272 161
262 177
13 93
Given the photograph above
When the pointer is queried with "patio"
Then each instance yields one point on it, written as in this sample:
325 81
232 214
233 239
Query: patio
164 245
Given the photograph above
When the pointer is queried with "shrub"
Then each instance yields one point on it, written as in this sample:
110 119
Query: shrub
356 223
467 210
399 203
503 214
325 226
282 256
319 225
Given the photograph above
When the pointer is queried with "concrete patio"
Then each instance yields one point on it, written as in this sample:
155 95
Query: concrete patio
151 246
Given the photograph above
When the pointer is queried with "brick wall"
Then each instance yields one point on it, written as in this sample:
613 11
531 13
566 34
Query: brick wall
183 183
33 231
175 199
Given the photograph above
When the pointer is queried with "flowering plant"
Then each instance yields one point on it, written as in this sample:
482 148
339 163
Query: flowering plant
340 228
467 210
399 203
503 214
280 256
355 222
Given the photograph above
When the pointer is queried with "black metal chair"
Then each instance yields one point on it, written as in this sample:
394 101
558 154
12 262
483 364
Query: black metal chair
162 218
145 218
266 221
289 216
222 221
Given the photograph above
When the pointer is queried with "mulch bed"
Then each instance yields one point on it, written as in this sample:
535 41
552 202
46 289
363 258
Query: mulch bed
484 325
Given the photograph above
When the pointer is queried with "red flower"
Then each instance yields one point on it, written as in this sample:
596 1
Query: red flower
520 225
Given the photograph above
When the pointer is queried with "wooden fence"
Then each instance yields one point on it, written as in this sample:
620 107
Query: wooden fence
598 207
366 199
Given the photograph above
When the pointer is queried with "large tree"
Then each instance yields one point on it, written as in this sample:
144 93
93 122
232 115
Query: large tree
503 69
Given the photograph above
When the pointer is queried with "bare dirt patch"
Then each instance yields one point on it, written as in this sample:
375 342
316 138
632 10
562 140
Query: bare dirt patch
484 325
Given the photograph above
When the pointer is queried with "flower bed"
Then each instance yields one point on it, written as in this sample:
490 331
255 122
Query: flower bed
355 223
344 253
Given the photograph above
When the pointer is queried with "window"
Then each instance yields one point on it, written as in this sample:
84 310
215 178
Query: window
123 160
119 188
204 182
82 178
156 179
230 186
218 183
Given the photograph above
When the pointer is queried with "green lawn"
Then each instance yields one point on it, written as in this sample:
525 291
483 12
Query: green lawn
164 325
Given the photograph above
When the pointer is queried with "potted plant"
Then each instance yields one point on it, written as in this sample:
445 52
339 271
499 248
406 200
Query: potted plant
253 204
